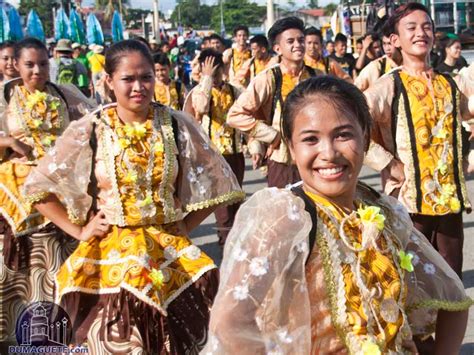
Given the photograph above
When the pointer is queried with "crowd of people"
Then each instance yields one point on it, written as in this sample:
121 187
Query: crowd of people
110 158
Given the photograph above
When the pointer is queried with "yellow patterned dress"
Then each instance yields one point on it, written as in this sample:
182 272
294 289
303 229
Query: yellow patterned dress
435 150
32 249
142 275
369 284
171 95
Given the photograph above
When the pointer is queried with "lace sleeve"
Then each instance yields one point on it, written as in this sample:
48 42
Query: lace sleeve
432 285
262 305
65 171
205 179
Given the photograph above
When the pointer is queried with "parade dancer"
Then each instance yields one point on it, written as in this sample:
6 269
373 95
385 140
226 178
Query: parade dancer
130 181
331 266
37 114
209 103
167 92
417 139
257 111
235 57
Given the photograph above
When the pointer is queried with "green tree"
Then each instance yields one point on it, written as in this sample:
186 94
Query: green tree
313 4
329 9
44 8
237 12
133 17
191 13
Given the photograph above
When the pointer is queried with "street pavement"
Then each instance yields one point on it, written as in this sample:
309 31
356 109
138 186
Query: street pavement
205 236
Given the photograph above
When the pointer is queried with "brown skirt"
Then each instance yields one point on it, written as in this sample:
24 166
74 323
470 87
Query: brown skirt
182 331
27 273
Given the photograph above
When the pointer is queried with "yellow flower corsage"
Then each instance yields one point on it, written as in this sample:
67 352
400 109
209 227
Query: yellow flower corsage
371 215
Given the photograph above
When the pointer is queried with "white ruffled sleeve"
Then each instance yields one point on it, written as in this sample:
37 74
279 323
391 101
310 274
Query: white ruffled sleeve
433 285
65 171
262 305
205 179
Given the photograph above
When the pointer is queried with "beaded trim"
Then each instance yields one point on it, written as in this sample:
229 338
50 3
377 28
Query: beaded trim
228 199
443 305
39 196
166 196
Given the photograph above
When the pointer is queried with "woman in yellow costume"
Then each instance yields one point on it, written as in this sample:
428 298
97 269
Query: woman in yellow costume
130 181
331 266
36 115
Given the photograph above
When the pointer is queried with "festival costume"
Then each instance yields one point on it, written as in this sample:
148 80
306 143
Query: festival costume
210 104
140 277
418 121
369 283
249 70
234 59
171 95
374 70
327 66
257 112
32 248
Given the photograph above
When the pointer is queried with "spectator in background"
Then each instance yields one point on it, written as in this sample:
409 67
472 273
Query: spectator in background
7 59
358 47
345 60
64 69
79 55
451 59
371 50
97 62
154 45
313 55
329 50
215 42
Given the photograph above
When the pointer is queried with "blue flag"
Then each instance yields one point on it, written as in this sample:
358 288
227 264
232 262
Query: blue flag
94 31
34 27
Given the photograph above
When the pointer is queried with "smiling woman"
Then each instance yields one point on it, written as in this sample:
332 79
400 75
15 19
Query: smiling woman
352 276
129 181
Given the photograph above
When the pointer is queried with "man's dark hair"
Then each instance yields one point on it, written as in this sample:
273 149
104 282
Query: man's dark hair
161 58
216 36
260 40
282 25
340 38
313 31
209 52
241 28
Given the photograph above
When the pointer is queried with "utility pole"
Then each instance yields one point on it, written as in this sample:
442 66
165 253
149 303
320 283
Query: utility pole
156 21
222 20
270 14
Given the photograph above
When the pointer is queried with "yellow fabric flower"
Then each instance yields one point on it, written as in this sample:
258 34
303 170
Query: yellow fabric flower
157 278
135 130
371 214
131 177
124 142
37 123
159 148
455 205
47 141
442 167
448 189
35 98
54 103
370 348
147 201
405 261
442 134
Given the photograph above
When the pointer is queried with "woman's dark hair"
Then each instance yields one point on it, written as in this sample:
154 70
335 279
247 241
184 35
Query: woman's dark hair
445 44
345 97
7 44
209 52
280 26
116 52
143 40
161 58
403 11
29 43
